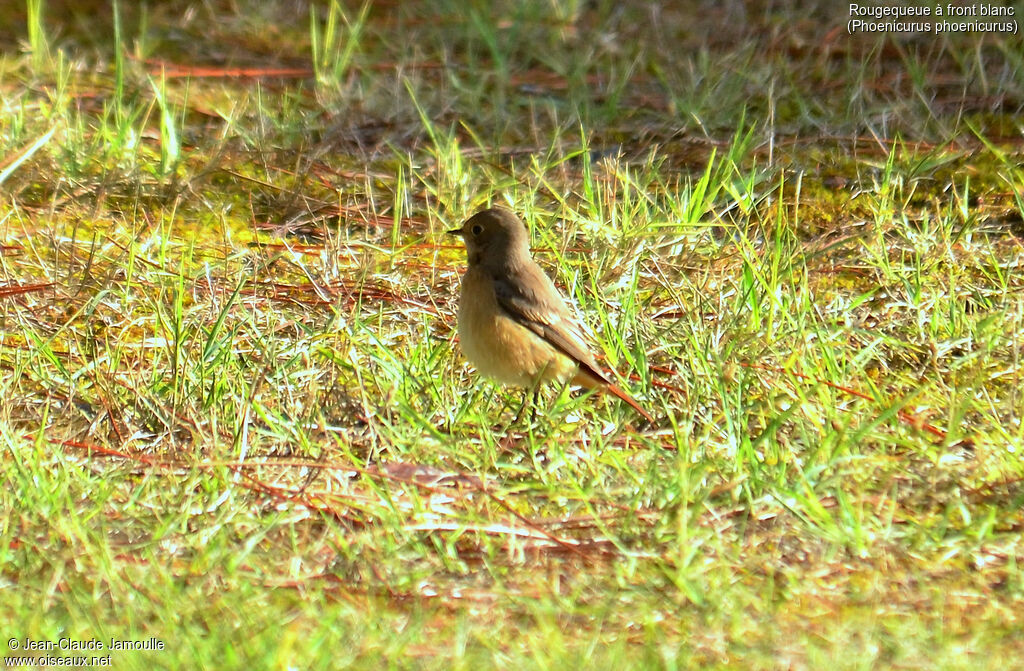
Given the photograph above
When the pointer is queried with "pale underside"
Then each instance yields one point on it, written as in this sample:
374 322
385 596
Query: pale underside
499 346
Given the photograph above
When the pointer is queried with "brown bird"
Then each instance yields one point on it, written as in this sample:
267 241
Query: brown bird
513 324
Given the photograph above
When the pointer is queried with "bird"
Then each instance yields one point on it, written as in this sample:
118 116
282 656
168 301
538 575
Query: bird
513 324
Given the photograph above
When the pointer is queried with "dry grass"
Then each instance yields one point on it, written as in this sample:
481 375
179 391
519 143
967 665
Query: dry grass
235 418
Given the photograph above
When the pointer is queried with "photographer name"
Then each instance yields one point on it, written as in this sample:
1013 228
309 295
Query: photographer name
93 644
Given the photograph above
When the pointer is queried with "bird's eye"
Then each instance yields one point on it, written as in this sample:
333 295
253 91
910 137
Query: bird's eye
478 229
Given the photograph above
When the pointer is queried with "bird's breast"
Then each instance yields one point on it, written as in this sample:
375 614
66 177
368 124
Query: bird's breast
497 344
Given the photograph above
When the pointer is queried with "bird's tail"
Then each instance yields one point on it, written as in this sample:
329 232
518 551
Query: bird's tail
616 391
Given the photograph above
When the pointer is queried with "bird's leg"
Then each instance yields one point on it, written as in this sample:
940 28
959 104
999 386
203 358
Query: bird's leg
522 407
537 382
509 440
535 389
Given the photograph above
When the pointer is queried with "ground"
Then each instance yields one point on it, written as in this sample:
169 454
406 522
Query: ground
236 421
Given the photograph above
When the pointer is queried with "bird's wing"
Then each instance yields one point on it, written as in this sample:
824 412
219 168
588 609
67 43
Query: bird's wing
543 311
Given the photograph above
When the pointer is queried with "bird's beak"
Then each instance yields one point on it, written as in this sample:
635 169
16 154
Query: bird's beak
454 231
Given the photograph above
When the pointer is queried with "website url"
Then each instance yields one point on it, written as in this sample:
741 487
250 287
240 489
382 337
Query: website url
48 661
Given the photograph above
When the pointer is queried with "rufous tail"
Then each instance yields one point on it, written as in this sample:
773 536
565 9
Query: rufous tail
616 391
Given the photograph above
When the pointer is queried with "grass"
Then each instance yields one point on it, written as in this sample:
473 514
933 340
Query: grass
235 415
